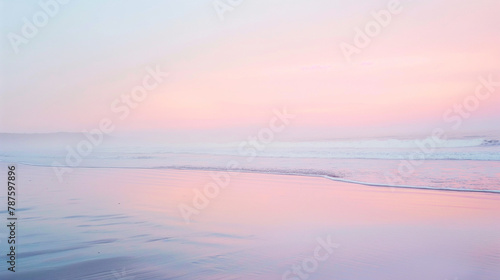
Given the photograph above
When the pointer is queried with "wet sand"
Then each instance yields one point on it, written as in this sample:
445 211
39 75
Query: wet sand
126 224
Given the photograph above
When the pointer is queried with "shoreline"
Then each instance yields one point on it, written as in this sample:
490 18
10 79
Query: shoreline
107 221
235 171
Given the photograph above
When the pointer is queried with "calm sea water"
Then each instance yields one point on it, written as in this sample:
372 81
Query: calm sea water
467 162
114 213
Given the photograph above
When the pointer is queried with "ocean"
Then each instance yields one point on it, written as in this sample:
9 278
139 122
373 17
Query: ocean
470 162
387 208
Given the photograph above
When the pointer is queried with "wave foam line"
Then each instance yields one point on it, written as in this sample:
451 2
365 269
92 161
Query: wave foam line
407 186
291 173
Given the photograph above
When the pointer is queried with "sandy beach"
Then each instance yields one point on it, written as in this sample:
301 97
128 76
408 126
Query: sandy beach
253 140
126 224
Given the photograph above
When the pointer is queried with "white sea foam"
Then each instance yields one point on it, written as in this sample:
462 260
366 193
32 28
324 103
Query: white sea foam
461 163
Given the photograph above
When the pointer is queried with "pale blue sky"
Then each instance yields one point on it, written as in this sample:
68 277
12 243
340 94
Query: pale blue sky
90 52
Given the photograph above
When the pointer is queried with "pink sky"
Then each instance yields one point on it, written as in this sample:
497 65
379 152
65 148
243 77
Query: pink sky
231 74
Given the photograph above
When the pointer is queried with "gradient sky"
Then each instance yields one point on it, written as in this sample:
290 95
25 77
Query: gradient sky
227 76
